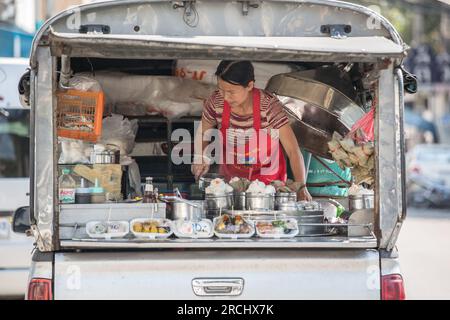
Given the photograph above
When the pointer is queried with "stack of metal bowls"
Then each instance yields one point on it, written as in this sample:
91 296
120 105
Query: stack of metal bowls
264 202
217 203
282 198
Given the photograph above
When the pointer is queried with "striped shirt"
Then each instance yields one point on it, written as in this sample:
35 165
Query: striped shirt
273 115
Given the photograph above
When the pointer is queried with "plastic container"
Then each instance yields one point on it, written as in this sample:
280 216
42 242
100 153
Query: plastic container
203 229
268 225
217 221
158 223
107 230
83 194
97 194
79 114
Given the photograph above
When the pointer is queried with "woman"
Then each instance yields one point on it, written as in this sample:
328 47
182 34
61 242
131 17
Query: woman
252 122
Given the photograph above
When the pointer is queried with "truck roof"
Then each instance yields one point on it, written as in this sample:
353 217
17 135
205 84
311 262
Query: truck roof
146 22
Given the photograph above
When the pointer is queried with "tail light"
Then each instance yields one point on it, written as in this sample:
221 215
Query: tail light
392 287
40 289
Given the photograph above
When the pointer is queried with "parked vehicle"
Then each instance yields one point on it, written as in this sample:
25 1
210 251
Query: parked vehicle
144 37
15 249
428 175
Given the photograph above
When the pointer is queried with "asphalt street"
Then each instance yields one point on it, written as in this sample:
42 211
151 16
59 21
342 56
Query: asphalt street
424 248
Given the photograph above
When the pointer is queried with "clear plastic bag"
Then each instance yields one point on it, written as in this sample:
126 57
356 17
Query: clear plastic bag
74 151
121 132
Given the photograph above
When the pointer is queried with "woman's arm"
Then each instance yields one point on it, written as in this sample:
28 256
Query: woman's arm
290 145
200 166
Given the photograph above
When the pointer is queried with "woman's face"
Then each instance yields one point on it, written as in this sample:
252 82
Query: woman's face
235 95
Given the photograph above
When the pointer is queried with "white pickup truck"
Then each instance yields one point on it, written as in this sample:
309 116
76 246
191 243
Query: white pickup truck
148 37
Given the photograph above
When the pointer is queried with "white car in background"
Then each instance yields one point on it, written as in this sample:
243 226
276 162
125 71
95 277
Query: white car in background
432 161
15 249
428 175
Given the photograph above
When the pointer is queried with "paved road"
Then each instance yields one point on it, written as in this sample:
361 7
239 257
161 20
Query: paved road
424 246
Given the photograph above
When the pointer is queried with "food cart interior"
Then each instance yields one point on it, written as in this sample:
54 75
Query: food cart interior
105 170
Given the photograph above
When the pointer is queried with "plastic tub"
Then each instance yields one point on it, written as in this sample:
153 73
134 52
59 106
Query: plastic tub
151 235
272 229
107 229
233 235
202 229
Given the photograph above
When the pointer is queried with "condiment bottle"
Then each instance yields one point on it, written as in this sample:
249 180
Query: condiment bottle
149 195
83 194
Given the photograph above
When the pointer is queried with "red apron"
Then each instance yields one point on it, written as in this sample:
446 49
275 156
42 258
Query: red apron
262 161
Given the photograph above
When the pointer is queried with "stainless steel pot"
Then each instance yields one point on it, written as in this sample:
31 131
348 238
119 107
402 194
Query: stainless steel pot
361 202
182 210
217 202
259 201
282 198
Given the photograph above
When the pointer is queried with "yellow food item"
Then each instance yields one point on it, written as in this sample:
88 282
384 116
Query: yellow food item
147 228
153 229
162 231
138 227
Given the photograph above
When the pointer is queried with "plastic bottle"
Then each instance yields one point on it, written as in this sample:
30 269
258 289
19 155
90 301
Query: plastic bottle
67 187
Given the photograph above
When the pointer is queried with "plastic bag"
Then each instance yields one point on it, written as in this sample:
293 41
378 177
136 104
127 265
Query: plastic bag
137 95
121 132
204 71
74 151
84 83
363 130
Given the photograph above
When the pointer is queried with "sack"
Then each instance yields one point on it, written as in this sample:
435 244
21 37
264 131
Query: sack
205 70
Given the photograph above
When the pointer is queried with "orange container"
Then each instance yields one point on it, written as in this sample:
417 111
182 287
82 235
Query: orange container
80 114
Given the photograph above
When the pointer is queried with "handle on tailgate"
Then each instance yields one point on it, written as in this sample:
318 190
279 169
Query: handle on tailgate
217 287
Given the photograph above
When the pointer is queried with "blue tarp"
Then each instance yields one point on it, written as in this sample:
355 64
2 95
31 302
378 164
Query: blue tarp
11 36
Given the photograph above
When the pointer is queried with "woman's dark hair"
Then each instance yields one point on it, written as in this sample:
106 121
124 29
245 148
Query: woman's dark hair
236 72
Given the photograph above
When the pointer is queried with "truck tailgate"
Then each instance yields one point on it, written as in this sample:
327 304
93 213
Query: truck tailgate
265 274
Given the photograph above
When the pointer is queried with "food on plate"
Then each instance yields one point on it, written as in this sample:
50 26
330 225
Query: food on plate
218 187
258 187
230 224
277 227
151 226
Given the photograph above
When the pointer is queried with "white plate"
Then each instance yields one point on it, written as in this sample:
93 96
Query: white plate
203 229
152 236
5 229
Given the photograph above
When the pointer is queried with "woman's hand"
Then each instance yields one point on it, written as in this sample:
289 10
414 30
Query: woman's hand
199 170
303 195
